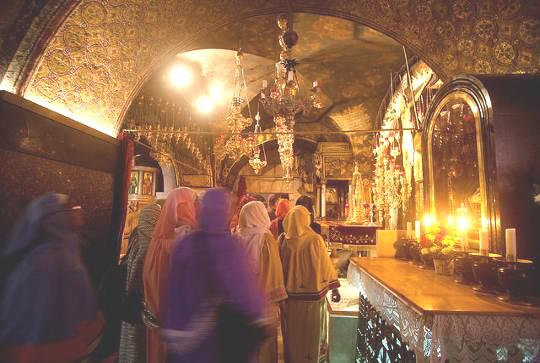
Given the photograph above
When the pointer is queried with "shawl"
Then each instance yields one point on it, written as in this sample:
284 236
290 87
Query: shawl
210 265
307 268
49 312
132 338
235 216
282 209
180 209
253 224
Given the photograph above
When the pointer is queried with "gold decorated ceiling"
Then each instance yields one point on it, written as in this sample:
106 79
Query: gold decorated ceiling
93 65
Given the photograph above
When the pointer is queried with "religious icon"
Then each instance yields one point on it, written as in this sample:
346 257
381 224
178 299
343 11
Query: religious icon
134 183
147 183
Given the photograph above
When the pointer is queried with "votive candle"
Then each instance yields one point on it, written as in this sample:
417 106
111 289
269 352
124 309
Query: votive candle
511 253
417 228
409 230
484 241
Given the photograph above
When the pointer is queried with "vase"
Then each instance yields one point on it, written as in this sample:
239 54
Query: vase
443 266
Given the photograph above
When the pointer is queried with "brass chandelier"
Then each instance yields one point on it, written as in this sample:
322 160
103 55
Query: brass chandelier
282 98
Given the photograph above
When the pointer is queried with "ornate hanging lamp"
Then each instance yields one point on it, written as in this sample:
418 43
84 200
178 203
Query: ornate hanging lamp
282 98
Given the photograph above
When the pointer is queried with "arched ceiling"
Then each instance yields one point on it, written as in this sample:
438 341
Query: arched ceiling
92 65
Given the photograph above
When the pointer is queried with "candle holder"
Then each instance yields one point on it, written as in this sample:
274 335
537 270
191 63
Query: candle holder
517 278
485 273
463 267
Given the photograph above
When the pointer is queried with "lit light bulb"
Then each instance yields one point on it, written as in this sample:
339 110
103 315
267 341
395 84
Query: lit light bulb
429 220
216 92
463 223
204 104
181 76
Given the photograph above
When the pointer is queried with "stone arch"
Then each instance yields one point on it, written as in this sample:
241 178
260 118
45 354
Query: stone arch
96 60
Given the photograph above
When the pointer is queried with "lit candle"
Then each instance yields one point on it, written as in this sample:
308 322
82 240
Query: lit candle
409 230
290 76
417 229
511 253
484 242
315 84
265 83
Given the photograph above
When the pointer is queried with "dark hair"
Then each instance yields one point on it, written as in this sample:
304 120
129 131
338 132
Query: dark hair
259 198
272 200
305 201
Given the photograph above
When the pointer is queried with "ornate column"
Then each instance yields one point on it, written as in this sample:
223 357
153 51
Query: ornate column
318 202
349 200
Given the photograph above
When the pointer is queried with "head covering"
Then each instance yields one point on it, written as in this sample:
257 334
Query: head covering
43 220
283 208
254 223
233 224
307 268
297 222
52 273
305 201
148 219
209 264
179 209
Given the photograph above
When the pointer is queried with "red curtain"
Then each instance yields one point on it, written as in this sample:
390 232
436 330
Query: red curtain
125 161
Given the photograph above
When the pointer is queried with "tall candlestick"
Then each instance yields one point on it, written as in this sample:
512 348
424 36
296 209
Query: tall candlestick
417 231
409 230
511 251
484 242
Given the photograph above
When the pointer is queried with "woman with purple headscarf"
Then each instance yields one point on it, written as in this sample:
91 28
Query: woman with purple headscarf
48 311
209 268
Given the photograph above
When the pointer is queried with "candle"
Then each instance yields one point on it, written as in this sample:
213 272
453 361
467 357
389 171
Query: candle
417 229
315 84
484 241
511 253
409 230
290 76
265 83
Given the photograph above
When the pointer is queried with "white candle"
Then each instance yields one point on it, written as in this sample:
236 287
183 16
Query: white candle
484 241
511 253
409 230
265 83
315 84
290 76
417 229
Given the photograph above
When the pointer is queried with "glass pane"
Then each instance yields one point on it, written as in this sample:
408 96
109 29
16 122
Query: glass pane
455 164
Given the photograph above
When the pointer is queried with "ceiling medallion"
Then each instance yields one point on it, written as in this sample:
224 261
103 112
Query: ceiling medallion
282 98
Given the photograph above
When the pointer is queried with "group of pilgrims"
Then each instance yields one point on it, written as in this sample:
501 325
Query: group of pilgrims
186 257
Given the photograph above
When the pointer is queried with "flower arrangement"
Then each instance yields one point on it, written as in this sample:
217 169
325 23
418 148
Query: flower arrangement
439 241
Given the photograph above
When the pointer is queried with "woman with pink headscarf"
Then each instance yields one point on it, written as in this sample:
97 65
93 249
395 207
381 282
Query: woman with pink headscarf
177 219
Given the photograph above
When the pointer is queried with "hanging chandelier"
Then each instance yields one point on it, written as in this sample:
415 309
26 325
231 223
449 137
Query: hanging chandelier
255 160
283 99
236 144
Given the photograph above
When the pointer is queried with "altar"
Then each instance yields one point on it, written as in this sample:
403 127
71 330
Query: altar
407 314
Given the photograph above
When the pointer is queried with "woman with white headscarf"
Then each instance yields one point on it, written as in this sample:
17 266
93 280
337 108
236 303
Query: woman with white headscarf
263 258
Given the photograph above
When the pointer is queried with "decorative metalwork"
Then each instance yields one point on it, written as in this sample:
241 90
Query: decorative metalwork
378 341
282 98
237 144
164 127
255 160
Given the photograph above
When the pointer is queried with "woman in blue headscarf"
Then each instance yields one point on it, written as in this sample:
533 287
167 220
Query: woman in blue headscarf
208 268
48 311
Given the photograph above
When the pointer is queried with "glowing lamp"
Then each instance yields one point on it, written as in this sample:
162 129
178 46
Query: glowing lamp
429 220
463 223
181 76
216 92
204 104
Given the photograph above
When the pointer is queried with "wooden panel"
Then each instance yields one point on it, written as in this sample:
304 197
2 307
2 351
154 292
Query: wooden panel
427 292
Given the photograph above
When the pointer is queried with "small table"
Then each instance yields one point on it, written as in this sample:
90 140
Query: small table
427 317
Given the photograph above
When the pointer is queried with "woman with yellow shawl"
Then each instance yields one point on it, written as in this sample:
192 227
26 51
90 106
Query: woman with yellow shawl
263 259
309 275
